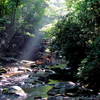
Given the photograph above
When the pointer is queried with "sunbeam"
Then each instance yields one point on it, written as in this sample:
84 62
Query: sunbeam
58 6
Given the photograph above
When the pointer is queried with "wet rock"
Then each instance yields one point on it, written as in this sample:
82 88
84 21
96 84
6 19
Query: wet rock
73 98
41 73
33 80
24 69
56 98
70 89
16 90
27 63
67 85
63 88
12 69
53 92
59 98
66 98
71 94
44 99
2 70
52 98
50 72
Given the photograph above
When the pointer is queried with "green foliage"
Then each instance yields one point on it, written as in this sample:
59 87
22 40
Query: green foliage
28 10
90 67
75 37
19 21
69 40
29 14
19 17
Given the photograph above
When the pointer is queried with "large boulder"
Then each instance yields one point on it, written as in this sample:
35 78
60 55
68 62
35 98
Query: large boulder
63 88
69 89
16 90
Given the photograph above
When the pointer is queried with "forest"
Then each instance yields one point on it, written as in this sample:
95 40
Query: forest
49 49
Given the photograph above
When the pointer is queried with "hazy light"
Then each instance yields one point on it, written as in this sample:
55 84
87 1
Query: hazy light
57 7
46 27
29 49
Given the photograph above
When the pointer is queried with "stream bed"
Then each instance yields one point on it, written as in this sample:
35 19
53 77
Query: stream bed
26 84
22 82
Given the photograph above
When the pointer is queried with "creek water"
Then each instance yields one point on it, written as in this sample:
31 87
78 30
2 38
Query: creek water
31 88
40 90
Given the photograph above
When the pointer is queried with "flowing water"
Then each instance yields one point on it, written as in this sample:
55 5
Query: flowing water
28 81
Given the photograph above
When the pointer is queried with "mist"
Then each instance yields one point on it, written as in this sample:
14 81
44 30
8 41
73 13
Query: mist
52 6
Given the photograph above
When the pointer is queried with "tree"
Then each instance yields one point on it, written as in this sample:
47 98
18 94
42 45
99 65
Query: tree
18 17
90 67
76 32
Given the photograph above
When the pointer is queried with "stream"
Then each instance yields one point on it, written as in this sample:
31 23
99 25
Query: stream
24 81
28 80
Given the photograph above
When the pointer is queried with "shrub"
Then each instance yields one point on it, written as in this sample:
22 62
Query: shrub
89 71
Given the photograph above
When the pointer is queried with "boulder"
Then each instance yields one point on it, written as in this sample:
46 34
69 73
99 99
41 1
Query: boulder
70 89
16 90
63 88
68 85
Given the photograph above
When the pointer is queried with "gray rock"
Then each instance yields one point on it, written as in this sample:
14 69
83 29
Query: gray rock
59 98
14 90
53 92
52 98
62 88
67 85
